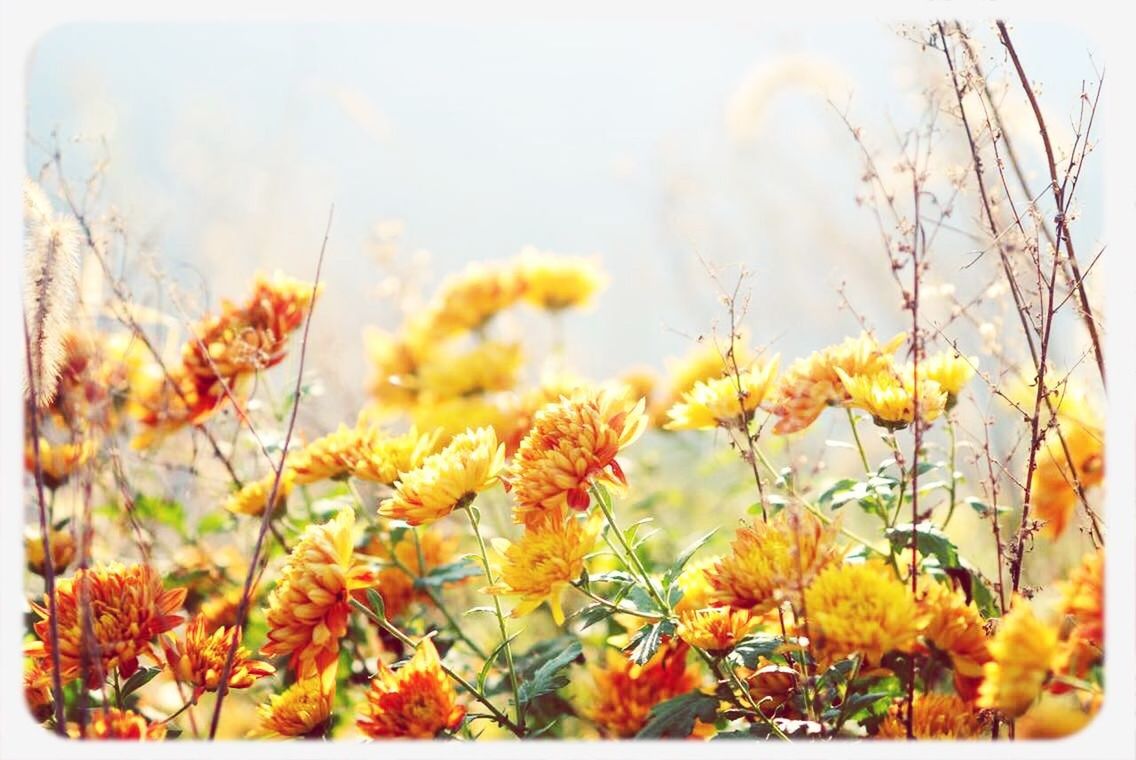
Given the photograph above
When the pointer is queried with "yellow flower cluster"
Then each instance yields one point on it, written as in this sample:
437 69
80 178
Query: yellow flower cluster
728 401
937 716
1022 652
303 710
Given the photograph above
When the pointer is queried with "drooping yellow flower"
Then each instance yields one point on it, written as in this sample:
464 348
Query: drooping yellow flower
725 401
62 550
555 282
715 629
301 711
198 659
861 609
466 302
253 497
544 561
572 444
58 461
308 608
118 725
770 562
951 371
129 608
696 589
469 464
937 716
487 367
381 458
395 585
417 701
811 384
955 627
623 693
890 397
1022 652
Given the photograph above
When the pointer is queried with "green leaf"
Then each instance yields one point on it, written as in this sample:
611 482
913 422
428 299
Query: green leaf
547 677
454 571
613 576
214 522
844 484
164 511
752 647
675 717
929 540
684 556
645 642
491 659
138 679
375 600
593 614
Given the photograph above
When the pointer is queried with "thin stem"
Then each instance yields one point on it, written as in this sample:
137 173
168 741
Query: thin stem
859 444
601 496
952 462
180 710
617 607
500 618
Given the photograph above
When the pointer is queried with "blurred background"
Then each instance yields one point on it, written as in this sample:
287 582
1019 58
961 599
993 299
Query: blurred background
652 146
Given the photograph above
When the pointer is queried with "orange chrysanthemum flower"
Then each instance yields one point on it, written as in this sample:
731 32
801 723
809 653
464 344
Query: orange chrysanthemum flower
624 693
519 411
447 480
1022 652
861 609
395 585
812 383
1054 496
58 461
417 701
546 559
37 687
772 561
119 725
302 710
937 716
715 629
308 608
199 659
129 608
572 444
1082 597
955 627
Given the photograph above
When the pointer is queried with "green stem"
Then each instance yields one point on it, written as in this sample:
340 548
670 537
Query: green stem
632 562
500 617
725 667
954 481
859 443
180 710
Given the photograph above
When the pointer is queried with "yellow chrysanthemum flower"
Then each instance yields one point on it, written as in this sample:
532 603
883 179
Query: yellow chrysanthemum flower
382 458
715 629
519 409
955 627
1053 495
58 461
719 402
469 464
623 693
1022 652
62 550
1082 597
951 371
417 701
131 607
326 458
812 384
301 711
396 361
572 444
466 302
308 608
861 609
696 589
453 416
253 497
546 559
937 716
555 282
199 658
487 367
890 397
118 725
772 561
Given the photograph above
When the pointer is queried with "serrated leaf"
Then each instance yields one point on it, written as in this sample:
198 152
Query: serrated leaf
593 614
547 677
929 540
613 576
645 642
843 484
674 718
753 647
672 573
